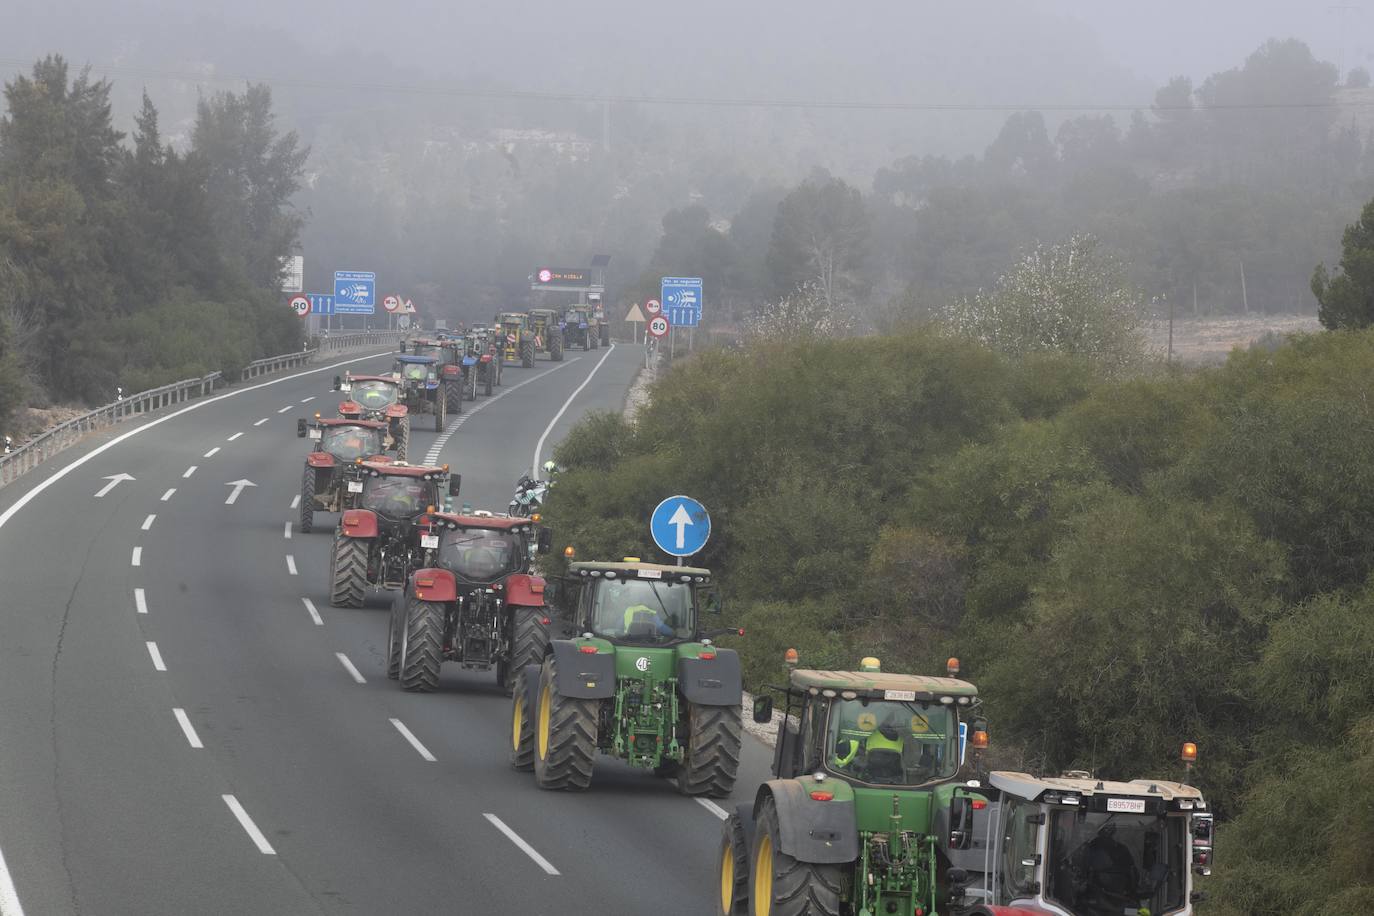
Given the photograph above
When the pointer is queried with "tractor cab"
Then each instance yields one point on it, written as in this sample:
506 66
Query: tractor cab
644 604
578 316
399 493
1079 846
345 440
414 371
369 396
483 549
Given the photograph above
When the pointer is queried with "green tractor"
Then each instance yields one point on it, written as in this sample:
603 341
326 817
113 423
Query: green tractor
517 339
864 780
548 332
642 683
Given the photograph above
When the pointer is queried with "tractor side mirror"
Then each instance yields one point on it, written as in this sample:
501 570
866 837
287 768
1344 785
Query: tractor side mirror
544 540
455 483
403 346
960 822
763 710
300 428
711 601
338 383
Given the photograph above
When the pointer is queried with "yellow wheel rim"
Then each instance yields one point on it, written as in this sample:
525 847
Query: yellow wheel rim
763 876
727 877
518 723
544 703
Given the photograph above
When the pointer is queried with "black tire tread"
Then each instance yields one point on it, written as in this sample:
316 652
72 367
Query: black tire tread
307 520
424 623
732 837
348 571
572 737
522 755
799 888
713 751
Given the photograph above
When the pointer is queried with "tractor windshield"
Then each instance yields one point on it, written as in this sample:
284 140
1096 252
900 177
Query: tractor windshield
1104 864
480 554
892 743
374 395
397 497
415 372
644 611
349 442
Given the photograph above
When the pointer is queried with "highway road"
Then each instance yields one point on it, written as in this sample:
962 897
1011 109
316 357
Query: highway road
188 727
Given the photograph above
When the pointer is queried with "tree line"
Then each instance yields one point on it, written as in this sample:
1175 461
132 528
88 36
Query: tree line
131 264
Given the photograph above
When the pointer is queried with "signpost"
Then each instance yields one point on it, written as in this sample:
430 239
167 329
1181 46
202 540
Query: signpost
355 292
300 305
634 317
680 526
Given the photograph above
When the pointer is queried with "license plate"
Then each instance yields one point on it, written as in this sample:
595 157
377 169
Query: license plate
651 574
317 434
355 486
1126 805
429 541
345 387
907 695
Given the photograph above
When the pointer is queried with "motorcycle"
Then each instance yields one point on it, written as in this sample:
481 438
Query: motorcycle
529 495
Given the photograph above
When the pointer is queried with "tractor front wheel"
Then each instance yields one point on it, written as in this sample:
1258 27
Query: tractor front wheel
348 571
422 646
308 500
732 869
564 735
527 354
453 392
783 886
529 642
522 726
402 437
713 747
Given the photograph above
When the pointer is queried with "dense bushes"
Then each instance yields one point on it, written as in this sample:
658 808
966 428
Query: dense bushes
1122 565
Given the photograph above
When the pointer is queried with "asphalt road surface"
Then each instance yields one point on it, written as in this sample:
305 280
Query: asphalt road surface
188 727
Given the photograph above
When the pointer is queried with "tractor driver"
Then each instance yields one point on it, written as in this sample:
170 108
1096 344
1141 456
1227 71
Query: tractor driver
621 607
871 751
397 497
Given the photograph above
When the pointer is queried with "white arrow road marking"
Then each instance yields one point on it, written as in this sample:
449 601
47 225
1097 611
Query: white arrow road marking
190 730
526 848
714 808
114 481
213 452
189 471
168 495
248 826
353 672
158 663
140 601
262 421
137 558
539 446
414 741
681 519
290 564
148 522
238 486
233 437
314 614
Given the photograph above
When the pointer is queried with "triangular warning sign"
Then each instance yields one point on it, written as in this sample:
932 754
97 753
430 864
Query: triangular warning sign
635 313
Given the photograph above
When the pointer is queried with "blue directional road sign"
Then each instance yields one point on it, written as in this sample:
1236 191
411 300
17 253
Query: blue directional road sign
355 292
680 526
681 298
320 304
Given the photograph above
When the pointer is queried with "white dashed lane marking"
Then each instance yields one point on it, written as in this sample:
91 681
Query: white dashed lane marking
314 614
290 564
524 847
248 826
136 559
148 522
353 672
168 495
189 471
414 741
214 451
190 730
233 437
140 601
156 656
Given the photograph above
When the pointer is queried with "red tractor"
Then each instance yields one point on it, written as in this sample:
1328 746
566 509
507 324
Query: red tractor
377 397
381 541
331 482
475 602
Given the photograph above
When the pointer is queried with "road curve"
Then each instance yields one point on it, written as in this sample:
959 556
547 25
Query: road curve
189 727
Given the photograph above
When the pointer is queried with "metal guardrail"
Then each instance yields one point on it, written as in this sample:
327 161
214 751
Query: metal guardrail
51 441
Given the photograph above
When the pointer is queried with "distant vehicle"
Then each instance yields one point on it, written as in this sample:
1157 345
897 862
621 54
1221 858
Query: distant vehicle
330 482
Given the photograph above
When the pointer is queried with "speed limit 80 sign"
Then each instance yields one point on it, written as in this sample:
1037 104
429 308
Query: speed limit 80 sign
300 305
659 326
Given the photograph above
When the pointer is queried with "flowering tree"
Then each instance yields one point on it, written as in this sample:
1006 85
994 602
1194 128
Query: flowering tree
1070 298
807 312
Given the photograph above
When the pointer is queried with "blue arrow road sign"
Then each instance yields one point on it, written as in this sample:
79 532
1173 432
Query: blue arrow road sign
681 298
320 304
680 526
355 292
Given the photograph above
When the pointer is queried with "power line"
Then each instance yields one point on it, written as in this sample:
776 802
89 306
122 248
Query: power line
703 101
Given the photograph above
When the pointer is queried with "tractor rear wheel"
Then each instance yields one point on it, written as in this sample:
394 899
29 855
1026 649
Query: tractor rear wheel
472 385
713 746
422 646
732 869
440 409
394 636
348 571
564 735
527 354
522 726
783 886
402 437
308 500
453 393
556 348
592 340
493 376
529 642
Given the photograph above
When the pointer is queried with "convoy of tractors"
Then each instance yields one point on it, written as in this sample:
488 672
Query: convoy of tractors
880 799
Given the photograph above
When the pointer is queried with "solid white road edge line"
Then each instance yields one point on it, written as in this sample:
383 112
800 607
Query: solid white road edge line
414 741
353 672
140 601
314 614
136 559
9 897
213 452
189 471
290 564
158 663
148 522
187 727
432 456
714 808
526 848
248 826
165 496
539 446
233 437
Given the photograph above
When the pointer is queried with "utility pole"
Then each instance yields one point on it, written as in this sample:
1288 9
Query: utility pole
1343 11
1244 299
1169 360
606 126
